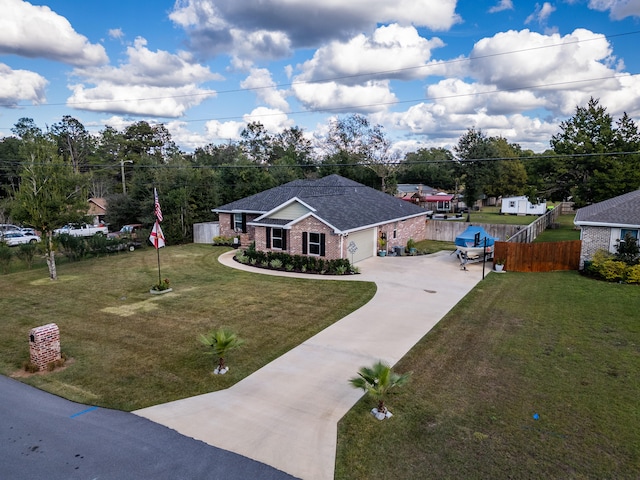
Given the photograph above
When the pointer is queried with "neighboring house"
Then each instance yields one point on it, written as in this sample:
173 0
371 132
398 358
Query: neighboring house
522 206
411 188
440 202
604 224
413 192
332 217
97 210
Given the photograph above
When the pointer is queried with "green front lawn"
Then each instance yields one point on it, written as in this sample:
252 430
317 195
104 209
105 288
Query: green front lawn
558 345
130 349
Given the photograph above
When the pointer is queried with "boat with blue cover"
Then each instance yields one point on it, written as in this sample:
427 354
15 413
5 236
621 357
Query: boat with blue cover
473 243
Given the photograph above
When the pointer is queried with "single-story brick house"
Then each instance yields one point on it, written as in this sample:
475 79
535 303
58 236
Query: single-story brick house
604 224
331 217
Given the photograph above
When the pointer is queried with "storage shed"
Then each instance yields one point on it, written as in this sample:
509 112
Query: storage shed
522 206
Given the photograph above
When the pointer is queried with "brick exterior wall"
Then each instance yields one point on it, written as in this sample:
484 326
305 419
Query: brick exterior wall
294 238
335 245
594 239
226 229
44 345
413 228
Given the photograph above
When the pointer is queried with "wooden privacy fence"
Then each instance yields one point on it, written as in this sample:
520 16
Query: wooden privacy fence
539 257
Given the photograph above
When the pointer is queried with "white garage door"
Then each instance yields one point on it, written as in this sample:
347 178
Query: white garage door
361 245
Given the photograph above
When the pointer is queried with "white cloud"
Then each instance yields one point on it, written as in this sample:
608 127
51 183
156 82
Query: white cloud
272 119
368 97
19 85
618 9
261 44
144 67
226 27
216 130
151 83
525 59
502 5
434 125
116 33
541 13
38 32
261 82
137 99
399 51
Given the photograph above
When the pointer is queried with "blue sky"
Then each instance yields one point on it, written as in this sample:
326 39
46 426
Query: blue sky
426 70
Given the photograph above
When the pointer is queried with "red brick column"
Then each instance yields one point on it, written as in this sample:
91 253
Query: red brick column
44 345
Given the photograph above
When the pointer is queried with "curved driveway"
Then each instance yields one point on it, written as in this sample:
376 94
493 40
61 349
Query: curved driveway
286 413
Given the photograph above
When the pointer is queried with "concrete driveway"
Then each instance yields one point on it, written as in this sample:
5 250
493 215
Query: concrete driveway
286 414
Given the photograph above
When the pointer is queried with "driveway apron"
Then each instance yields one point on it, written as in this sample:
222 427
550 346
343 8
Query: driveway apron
286 413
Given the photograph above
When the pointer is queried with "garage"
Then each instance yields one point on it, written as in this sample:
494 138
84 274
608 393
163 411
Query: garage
360 245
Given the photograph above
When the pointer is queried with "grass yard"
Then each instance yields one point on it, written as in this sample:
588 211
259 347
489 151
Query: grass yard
566 231
492 215
130 349
558 345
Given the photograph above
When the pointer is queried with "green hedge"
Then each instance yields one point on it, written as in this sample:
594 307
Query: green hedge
295 263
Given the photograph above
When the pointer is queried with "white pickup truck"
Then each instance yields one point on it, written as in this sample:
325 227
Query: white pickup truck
82 230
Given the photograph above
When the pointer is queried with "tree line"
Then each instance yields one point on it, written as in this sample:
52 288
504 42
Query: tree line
47 176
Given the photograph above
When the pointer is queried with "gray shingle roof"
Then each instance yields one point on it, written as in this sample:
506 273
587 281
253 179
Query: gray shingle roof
343 203
621 210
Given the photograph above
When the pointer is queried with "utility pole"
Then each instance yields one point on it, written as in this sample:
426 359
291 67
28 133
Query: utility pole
124 185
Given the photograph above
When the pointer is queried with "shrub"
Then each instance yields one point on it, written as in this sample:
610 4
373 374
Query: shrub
221 240
633 274
98 244
341 270
30 367
298 263
613 271
72 247
627 250
26 252
5 257
275 263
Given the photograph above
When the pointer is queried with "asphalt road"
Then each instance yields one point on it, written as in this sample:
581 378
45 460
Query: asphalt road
47 437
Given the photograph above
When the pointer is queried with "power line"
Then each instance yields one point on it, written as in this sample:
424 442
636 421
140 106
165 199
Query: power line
453 161
352 76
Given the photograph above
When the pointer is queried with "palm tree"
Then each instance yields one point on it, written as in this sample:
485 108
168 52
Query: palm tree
377 381
221 341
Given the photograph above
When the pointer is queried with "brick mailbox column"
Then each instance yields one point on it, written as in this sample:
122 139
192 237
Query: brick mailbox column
44 345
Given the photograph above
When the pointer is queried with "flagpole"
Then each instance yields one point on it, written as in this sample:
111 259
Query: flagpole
158 252
157 211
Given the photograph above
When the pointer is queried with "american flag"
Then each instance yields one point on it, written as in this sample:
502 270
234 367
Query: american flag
156 205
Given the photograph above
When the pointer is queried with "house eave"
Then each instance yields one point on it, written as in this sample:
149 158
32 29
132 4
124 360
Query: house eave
606 224
257 212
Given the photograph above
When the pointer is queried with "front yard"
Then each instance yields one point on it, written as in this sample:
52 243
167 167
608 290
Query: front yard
130 349
558 345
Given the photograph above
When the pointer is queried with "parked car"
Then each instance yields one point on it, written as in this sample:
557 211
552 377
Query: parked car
8 227
14 238
128 236
82 230
29 231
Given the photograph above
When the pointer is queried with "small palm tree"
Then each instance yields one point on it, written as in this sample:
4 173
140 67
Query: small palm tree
376 381
221 341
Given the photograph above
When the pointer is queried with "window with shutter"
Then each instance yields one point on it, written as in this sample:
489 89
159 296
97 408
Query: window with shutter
316 244
238 221
277 236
